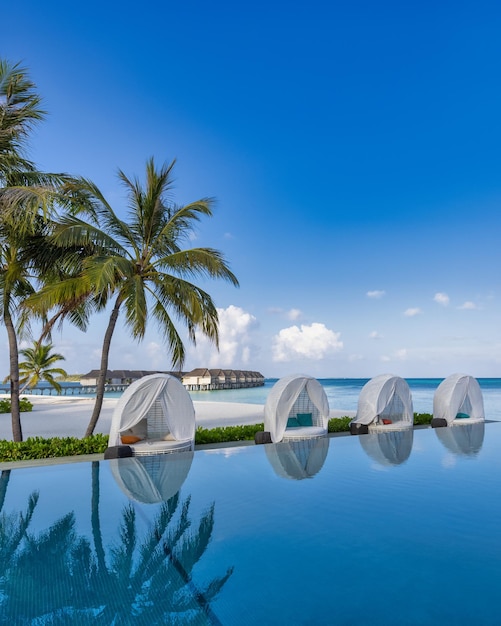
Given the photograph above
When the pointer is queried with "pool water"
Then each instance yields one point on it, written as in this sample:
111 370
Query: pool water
399 528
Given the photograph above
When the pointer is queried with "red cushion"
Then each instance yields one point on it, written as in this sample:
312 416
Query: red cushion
129 439
387 422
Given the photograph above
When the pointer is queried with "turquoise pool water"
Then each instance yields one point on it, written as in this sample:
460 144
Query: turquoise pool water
395 529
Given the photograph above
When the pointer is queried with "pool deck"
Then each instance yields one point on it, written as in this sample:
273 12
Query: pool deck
87 458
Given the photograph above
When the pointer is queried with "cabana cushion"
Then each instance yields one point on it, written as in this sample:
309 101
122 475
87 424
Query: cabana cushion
462 416
128 439
386 422
305 419
304 432
293 422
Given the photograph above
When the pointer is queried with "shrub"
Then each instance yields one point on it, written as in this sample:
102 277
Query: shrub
24 405
339 424
227 433
422 418
40 448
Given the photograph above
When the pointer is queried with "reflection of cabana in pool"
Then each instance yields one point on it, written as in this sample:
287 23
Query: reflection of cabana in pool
458 401
152 478
296 408
298 459
391 447
465 440
385 403
155 415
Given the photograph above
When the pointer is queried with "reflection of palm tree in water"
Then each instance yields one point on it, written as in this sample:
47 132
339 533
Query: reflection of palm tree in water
13 526
159 584
56 577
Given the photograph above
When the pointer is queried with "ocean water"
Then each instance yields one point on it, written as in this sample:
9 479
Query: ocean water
343 394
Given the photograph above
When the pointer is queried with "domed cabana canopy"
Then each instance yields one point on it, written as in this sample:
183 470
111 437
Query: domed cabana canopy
464 441
385 403
390 447
458 401
151 479
155 415
296 408
296 460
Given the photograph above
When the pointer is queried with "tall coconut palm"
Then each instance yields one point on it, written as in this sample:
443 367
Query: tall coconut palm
38 366
142 265
27 198
15 287
20 110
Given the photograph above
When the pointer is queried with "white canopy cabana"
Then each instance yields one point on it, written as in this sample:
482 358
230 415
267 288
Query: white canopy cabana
151 479
154 415
296 460
458 400
385 403
296 408
391 447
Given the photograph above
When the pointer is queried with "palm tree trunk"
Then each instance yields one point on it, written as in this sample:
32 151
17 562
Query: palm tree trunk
95 520
17 433
101 381
4 482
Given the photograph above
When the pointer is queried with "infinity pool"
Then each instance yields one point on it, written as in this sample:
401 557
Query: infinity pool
389 529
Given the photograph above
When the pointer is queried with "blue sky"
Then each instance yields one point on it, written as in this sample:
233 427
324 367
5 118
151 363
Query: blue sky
352 149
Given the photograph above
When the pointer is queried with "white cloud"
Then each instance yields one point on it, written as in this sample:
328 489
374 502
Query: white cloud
311 342
375 335
156 354
441 298
236 347
398 355
228 236
294 314
412 312
468 306
375 294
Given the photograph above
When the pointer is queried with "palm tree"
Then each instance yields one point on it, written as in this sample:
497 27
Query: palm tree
14 288
19 111
142 265
38 366
27 199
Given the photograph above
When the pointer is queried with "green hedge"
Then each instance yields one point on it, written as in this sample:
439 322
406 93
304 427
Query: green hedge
40 448
25 405
422 418
226 434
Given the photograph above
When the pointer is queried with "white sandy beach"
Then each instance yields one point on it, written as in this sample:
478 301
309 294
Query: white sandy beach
64 416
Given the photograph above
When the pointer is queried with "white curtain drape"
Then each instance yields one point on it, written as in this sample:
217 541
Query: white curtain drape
281 398
139 397
458 393
378 393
